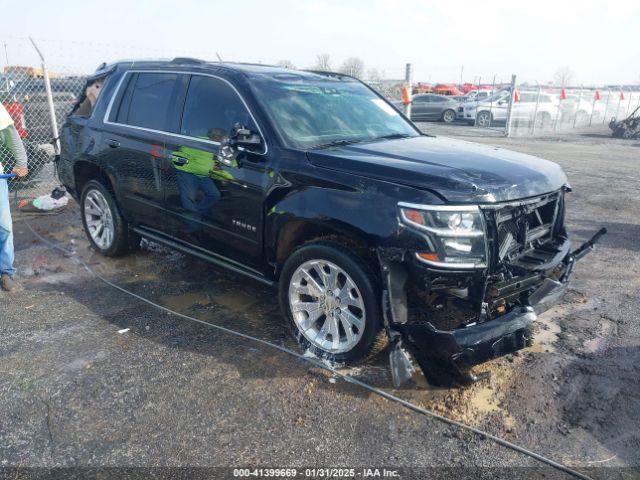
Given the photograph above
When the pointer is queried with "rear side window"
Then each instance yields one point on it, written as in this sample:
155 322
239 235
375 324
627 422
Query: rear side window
212 107
152 101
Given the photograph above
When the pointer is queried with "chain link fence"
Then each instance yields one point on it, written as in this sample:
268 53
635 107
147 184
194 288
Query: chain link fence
35 109
540 109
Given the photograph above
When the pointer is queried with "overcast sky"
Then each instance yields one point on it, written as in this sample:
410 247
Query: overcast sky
599 40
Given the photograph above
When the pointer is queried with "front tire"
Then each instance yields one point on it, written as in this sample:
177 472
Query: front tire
331 300
448 116
107 231
483 119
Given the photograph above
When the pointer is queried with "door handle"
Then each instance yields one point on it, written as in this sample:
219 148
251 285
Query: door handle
113 143
178 160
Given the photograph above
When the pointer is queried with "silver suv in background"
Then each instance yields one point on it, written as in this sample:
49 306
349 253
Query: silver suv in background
541 107
472 96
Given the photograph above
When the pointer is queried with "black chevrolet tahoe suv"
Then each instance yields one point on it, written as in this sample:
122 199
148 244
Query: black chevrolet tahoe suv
373 232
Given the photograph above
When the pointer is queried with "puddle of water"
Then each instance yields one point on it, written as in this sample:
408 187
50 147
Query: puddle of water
183 302
236 300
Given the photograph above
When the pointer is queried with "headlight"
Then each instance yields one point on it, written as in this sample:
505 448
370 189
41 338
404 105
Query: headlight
455 234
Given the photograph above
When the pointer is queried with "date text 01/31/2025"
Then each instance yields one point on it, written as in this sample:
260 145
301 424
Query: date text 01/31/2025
316 472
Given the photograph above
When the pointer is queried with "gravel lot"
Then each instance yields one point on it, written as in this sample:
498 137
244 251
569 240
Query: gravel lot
74 392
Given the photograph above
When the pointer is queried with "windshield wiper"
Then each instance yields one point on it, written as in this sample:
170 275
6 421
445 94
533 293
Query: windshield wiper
337 143
392 136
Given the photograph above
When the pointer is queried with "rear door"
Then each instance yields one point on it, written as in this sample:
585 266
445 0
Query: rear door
214 205
438 105
145 111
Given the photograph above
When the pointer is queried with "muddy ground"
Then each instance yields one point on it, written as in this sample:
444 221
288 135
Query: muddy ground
77 390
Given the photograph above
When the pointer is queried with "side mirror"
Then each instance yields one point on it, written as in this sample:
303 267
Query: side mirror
243 138
240 139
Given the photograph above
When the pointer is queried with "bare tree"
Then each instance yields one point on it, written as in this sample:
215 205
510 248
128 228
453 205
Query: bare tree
373 75
353 66
286 64
323 62
563 76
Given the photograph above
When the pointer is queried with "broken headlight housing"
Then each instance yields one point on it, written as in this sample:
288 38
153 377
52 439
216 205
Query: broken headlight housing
456 235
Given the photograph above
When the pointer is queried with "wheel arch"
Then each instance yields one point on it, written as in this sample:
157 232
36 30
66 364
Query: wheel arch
296 232
84 170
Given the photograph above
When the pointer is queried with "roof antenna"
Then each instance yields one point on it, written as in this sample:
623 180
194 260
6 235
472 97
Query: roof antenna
219 58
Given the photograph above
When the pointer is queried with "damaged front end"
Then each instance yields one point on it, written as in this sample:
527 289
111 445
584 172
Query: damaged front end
472 282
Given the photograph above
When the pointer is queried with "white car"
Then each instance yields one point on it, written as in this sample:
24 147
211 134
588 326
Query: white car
471 96
494 110
578 109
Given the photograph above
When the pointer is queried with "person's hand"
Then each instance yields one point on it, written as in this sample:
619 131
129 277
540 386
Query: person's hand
21 171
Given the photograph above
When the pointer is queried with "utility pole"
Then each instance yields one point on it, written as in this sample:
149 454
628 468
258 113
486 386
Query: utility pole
47 89
507 129
6 57
461 73
408 79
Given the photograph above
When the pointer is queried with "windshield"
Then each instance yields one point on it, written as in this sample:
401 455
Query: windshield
499 95
313 113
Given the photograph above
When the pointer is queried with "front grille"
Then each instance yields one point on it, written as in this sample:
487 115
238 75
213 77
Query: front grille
525 225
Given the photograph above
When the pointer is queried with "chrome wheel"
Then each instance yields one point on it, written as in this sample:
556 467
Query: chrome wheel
327 306
483 119
99 219
448 116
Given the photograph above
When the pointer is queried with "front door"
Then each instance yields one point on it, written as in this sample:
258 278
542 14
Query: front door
215 205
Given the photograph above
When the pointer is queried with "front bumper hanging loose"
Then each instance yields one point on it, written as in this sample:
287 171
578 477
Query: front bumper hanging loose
446 357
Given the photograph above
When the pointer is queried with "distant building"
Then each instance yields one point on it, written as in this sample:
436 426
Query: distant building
20 71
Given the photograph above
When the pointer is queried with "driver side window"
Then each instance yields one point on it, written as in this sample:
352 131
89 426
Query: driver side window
212 107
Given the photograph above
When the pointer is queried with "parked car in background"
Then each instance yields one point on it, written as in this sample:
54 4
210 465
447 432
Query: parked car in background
542 108
577 109
475 95
429 106
471 96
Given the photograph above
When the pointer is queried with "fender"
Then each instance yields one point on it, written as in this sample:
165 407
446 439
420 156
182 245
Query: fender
363 211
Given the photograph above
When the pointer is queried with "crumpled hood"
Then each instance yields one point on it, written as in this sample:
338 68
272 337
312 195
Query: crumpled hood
457 170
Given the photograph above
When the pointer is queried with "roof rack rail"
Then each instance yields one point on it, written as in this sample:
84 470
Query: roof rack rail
187 60
332 74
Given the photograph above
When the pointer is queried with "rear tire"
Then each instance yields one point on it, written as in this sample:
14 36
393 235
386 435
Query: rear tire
332 302
107 231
